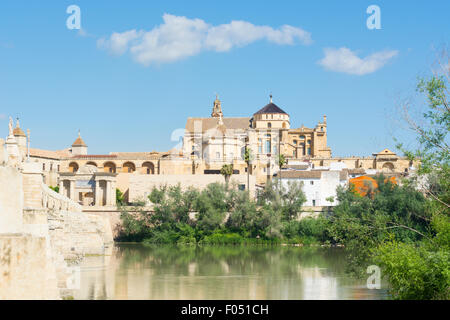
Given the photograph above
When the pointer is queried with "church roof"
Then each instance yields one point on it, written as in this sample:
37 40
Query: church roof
271 108
210 123
19 132
59 154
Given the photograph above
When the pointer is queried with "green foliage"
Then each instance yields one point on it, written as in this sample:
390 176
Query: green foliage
120 198
361 223
281 160
404 232
56 189
248 156
413 271
227 171
223 215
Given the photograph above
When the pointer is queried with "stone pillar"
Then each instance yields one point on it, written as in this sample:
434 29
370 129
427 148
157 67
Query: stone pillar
12 148
3 154
11 204
32 184
72 191
108 193
97 193
61 187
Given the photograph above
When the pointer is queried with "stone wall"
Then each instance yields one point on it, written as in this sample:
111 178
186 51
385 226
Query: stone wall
11 200
40 232
26 272
141 185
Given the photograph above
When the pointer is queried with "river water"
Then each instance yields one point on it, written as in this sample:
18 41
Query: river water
137 271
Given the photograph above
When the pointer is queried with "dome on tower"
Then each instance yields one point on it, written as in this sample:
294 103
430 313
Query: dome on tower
79 142
18 132
270 108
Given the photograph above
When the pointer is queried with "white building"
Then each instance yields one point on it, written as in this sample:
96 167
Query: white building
318 184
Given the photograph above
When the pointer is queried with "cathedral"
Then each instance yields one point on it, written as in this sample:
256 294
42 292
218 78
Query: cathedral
208 144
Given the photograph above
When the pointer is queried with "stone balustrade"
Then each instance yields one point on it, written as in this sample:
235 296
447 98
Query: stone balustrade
55 201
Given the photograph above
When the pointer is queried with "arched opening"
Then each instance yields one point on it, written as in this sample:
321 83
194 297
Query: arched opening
91 163
73 167
129 167
109 167
387 167
148 168
284 125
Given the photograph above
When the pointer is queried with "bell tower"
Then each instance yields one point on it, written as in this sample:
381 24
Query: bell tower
217 109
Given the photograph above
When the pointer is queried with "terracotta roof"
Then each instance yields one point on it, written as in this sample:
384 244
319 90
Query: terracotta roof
210 123
270 108
356 171
79 143
297 166
310 174
94 156
19 132
59 154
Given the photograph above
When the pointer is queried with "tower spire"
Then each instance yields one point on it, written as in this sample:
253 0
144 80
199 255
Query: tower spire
217 109
270 98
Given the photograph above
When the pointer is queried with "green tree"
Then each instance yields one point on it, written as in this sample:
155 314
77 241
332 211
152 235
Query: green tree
281 163
120 198
248 157
421 270
227 171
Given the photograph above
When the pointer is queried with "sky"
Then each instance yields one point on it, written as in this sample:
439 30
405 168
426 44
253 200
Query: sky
136 70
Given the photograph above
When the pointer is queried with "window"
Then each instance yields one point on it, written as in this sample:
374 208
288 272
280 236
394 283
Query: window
302 137
314 203
309 151
43 167
311 182
267 146
269 125
295 142
321 128
309 141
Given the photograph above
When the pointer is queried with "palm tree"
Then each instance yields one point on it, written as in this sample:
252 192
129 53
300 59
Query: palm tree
281 163
227 171
247 159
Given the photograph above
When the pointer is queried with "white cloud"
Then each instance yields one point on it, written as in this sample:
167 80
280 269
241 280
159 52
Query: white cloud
345 60
181 37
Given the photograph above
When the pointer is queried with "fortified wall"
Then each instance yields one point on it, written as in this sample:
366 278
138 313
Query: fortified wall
43 234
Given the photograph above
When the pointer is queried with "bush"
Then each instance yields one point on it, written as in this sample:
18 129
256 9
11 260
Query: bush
413 271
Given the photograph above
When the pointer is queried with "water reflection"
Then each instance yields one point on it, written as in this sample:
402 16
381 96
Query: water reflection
135 271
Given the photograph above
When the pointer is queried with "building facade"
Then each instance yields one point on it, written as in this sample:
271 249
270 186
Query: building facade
208 144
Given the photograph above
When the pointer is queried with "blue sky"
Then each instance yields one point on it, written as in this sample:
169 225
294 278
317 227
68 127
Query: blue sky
59 80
